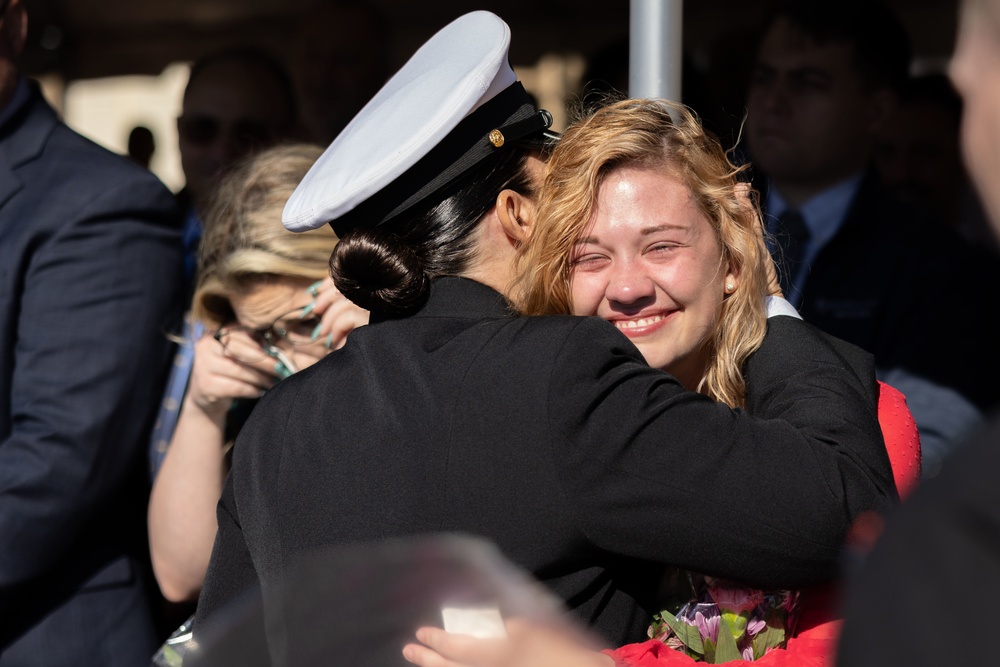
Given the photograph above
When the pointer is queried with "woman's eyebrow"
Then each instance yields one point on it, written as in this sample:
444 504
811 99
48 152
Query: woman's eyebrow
646 231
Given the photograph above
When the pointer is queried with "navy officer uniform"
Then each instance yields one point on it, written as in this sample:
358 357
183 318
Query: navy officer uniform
549 436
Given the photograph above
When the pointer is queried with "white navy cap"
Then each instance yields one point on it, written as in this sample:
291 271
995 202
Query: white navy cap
455 103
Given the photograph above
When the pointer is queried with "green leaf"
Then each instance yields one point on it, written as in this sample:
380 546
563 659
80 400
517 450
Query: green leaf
738 622
710 652
772 636
726 648
657 627
686 633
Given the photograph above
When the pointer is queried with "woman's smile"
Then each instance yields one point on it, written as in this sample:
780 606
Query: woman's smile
635 327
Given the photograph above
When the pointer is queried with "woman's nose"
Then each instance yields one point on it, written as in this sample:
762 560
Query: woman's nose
628 284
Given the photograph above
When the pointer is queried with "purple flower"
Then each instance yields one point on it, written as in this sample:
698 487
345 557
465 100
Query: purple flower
748 653
755 626
708 627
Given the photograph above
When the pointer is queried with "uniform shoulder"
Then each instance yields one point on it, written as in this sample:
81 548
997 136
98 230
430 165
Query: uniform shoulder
556 325
570 334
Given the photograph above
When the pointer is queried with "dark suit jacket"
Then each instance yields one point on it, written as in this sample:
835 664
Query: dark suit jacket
552 438
909 291
89 288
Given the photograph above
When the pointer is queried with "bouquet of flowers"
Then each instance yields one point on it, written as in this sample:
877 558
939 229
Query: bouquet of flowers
725 622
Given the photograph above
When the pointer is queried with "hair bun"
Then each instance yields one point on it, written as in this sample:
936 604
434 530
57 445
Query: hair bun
379 273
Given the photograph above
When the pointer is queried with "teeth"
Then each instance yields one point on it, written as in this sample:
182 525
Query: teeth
634 324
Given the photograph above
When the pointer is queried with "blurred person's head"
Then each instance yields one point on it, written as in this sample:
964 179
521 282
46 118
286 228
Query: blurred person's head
141 145
917 153
642 220
236 102
340 62
823 83
252 271
975 69
13 33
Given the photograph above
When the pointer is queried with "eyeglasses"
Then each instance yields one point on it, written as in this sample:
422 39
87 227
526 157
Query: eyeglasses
291 329
205 130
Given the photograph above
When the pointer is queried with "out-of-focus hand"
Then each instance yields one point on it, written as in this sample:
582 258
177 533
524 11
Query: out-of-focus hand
217 378
340 316
527 645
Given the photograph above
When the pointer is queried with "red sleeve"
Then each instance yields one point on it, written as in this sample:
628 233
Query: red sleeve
652 653
902 441
801 652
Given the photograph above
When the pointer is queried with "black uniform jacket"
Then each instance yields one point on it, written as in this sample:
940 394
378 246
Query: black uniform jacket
551 437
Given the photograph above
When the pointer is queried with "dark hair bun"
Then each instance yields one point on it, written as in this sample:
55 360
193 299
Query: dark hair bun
379 273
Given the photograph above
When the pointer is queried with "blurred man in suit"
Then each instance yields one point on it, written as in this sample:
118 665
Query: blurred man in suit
857 262
90 277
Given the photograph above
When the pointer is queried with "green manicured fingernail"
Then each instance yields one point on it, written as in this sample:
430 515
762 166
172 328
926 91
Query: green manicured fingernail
308 309
329 341
314 288
315 333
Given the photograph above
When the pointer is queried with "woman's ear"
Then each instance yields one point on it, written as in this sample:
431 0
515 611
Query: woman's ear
732 280
516 214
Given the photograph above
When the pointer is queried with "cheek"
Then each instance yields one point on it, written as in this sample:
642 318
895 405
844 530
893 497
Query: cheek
828 126
981 151
694 281
979 137
585 294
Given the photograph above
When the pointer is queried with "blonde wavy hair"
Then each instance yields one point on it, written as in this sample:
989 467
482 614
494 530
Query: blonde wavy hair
244 242
659 135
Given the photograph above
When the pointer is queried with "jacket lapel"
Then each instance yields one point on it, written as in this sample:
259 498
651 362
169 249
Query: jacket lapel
22 139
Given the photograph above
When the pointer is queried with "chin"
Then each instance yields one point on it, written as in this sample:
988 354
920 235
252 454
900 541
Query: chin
659 361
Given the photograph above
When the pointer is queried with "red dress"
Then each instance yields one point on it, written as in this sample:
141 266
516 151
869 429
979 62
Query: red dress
819 624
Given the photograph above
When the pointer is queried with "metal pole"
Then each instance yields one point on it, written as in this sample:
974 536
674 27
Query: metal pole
655 48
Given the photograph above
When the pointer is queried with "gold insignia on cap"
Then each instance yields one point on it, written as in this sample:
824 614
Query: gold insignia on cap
496 138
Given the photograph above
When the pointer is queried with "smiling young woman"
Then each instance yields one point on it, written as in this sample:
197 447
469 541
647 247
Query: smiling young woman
651 263
643 221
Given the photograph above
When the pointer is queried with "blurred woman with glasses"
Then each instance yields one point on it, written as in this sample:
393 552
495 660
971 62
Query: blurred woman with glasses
268 309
